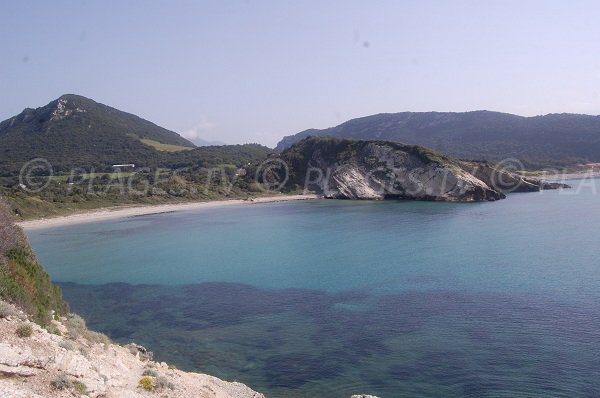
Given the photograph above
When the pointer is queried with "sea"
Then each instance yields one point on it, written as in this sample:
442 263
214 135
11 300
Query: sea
331 298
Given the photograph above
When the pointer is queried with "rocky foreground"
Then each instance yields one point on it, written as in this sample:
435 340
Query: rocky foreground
75 362
35 363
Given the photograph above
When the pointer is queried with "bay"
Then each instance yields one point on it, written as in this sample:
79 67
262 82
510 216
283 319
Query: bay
333 298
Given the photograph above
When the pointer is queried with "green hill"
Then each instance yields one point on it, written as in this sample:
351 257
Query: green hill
550 140
82 140
74 131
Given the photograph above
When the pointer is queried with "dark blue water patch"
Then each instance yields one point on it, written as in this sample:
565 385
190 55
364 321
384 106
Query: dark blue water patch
307 343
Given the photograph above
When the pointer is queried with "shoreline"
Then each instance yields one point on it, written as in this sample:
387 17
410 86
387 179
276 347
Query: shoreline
566 176
111 213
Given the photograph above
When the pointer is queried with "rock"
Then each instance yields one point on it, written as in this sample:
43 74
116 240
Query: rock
376 170
140 352
106 370
15 356
346 169
19 371
501 178
17 392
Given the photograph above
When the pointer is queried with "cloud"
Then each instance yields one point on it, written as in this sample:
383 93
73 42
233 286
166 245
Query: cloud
199 130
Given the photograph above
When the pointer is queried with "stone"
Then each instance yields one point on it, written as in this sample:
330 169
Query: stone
111 371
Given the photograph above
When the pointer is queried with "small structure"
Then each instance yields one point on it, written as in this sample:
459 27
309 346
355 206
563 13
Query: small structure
119 166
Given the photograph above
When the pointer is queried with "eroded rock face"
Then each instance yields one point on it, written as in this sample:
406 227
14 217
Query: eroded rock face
375 170
51 366
379 171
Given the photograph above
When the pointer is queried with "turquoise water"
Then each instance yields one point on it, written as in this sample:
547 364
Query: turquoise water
333 298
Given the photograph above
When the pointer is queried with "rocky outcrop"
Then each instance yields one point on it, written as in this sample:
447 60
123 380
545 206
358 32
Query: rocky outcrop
501 178
50 365
348 169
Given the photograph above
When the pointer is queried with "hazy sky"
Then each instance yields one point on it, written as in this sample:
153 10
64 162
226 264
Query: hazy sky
253 71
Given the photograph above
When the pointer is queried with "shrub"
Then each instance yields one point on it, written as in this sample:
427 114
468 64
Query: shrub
150 372
77 328
24 330
66 344
79 387
162 382
75 325
62 382
7 309
96 337
52 328
147 383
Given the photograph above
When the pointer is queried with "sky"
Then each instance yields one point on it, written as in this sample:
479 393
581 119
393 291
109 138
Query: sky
255 71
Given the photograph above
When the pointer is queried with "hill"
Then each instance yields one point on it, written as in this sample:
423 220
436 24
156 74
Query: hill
82 140
74 131
359 169
550 140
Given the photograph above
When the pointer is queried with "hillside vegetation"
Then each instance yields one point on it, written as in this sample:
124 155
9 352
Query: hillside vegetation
205 173
80 140
23 281
165 147
550 140
73 131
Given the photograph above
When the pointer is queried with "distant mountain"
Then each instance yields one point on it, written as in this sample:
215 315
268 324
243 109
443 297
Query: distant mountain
554 139
74 131
201 142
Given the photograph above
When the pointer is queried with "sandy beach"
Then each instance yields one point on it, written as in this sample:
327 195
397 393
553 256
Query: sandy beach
124 212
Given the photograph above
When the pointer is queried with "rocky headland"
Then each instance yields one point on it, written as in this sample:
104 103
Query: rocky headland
354 169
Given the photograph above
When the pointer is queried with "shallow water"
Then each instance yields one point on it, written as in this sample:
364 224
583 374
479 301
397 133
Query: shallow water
331 298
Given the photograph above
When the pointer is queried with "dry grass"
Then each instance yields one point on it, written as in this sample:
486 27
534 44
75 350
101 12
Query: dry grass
165 147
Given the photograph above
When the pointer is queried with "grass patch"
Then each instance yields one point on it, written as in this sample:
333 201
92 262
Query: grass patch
164 147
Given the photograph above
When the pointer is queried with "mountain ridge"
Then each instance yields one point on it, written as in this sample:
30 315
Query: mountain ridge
552 139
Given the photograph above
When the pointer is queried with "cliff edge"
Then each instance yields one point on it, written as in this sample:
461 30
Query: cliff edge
35 363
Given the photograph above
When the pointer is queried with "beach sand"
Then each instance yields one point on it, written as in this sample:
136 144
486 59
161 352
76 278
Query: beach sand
124 212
